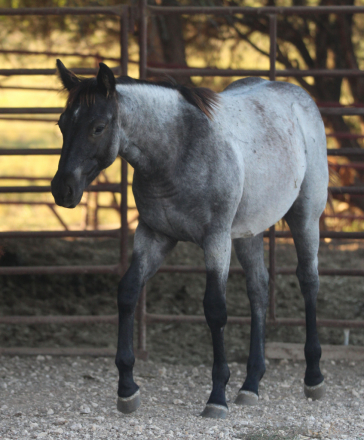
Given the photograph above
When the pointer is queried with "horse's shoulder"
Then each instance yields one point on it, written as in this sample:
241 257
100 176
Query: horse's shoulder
245 82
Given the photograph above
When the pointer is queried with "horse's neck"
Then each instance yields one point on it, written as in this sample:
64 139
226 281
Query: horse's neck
150 121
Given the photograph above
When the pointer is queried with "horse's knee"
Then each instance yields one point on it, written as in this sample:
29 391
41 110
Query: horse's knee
215 311
128 294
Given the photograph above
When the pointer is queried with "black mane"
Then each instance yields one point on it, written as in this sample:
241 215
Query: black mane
202 98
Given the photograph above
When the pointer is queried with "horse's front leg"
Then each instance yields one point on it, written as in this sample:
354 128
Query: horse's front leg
150 248
217 248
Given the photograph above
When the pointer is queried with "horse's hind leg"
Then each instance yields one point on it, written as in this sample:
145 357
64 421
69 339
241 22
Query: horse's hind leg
150 248
250 254
303 220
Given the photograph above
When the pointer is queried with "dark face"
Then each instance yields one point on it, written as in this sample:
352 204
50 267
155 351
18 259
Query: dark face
90 144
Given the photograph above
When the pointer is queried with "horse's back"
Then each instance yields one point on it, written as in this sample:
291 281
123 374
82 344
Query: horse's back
244 82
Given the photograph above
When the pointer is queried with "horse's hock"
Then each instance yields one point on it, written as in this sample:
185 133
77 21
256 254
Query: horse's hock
127 16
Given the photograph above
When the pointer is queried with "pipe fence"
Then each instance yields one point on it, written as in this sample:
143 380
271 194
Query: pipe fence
127 14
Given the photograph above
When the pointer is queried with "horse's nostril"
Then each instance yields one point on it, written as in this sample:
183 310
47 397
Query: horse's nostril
69 190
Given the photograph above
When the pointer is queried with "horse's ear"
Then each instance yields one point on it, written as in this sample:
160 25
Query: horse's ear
106 80
68 78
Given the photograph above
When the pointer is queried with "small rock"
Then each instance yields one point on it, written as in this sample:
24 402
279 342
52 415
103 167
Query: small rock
76 427
95 405
50 411
40 358
355 393
177 402
33 425
42 434
85 409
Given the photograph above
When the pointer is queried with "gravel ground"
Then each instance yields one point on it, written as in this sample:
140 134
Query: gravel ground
74 398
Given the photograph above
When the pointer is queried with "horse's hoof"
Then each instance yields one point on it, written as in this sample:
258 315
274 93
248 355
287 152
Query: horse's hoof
127 405
213 411
246 398
315 392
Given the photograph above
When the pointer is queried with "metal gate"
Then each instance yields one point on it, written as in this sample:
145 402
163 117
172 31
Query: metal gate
127 13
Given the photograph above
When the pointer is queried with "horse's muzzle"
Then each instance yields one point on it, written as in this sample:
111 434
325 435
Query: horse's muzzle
66 191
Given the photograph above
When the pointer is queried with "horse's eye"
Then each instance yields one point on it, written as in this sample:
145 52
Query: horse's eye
99 129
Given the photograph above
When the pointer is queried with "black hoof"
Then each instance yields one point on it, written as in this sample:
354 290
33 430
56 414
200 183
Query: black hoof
246 398
213 411
127 405
316 392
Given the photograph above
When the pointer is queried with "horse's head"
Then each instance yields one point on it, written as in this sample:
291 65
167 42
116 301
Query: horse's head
91 139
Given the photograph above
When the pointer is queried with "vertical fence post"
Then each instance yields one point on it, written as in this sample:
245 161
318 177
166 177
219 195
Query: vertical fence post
143 39
273 46
124 164
272 230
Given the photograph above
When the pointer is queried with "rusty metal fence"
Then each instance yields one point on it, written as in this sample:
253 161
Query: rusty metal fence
143 11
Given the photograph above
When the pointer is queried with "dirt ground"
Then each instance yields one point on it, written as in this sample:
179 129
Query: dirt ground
189 344
75 398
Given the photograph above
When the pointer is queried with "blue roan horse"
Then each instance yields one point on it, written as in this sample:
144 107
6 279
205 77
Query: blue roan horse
211 169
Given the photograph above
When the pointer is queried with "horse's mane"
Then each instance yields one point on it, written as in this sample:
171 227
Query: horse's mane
202 98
